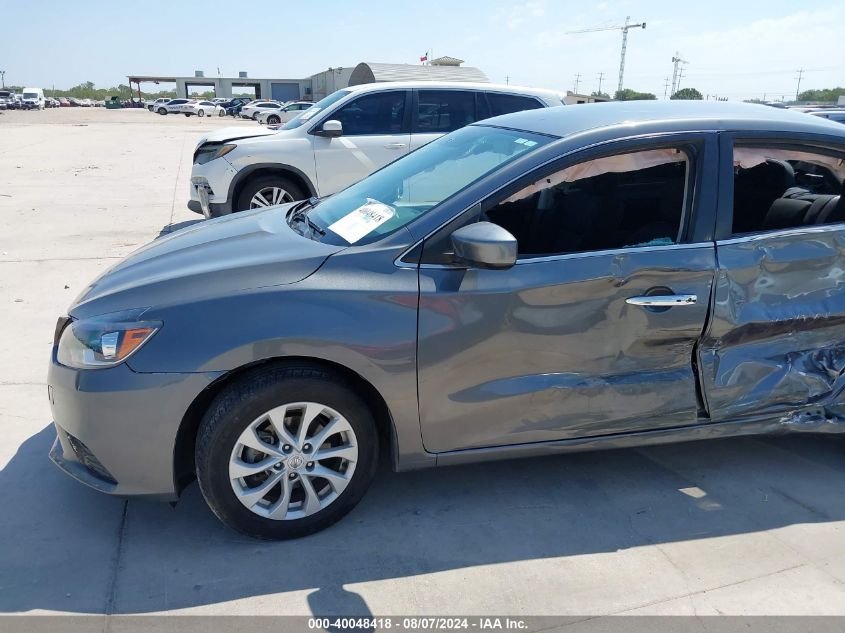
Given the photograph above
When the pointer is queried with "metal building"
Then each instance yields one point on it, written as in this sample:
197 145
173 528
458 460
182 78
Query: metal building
320 84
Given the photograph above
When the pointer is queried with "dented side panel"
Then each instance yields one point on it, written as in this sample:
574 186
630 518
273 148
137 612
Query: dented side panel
776 338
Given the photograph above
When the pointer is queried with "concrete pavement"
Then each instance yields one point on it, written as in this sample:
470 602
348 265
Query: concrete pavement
746 526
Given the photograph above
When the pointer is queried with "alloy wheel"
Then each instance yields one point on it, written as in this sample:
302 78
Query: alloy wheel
293 461
269 196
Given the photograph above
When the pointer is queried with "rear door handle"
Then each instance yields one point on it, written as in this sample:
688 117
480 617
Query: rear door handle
663 301
394 146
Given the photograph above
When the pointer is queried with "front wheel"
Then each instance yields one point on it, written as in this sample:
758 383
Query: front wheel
162 111
201 113
221 113
273 120
286 452
266 191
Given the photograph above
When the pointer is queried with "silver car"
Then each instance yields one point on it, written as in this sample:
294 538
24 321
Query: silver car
547 281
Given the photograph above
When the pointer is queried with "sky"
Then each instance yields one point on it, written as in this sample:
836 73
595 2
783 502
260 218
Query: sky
739 49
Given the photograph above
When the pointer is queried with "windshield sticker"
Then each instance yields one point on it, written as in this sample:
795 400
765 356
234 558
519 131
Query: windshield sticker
363 220
526 142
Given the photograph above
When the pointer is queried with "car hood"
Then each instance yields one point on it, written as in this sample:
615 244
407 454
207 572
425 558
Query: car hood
238 252
234 134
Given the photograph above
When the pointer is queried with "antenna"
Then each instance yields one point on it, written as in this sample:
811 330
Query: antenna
624 28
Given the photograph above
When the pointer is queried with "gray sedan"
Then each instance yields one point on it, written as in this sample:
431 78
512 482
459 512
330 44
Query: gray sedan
554 280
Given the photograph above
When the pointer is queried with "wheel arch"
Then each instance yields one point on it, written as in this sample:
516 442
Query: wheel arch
257 170
184 466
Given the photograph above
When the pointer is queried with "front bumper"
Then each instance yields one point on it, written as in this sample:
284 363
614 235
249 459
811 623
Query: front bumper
117 428
215 177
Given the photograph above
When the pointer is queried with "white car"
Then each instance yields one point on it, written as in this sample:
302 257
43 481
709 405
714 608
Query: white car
341 139
252 109
161 101
174 106
271 116
202 108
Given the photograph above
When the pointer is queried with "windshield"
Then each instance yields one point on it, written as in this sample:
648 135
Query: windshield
30 95
322 104
411 186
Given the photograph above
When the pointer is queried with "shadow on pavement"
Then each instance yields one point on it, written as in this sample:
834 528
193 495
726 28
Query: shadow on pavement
64 547
175 226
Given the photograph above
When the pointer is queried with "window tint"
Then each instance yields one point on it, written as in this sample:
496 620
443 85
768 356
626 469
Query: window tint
444 110
206 103
377 113
504 103
625 200
782 187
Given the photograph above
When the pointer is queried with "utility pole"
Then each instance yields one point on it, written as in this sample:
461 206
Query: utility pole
3 78
676 82
665 87
624 28
680 76
601 76
577 81
507 79
798 88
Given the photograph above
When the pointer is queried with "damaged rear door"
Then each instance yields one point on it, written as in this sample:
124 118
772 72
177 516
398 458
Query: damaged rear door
775 343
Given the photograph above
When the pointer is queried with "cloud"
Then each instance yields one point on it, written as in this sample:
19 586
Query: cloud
516 15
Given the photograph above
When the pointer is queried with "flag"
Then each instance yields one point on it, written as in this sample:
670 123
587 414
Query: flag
424 58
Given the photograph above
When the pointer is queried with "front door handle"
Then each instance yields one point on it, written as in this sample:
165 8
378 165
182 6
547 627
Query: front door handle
394 146
663 301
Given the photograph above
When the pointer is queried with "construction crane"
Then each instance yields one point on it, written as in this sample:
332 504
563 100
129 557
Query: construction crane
676 80
624 28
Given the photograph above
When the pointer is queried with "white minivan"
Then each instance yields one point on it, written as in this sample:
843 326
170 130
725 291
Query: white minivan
33 99
340 140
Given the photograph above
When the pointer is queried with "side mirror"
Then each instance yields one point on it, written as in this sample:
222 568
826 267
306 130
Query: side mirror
331 128
485 245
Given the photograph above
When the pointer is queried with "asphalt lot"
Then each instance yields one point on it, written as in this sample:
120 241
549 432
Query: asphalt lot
747 526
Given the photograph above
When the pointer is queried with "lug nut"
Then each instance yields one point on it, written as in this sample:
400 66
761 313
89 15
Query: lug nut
306 448
309 465
293 475
286 448
278 466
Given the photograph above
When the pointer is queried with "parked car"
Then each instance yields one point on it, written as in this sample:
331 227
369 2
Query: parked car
7 100
202 108
235 169
33 99
174 106
160 102
284 114
220 100
541 282
64 102
234 106
832 114
252 109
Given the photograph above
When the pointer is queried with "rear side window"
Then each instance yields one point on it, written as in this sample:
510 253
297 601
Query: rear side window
505 104
444 110
786 187
376 113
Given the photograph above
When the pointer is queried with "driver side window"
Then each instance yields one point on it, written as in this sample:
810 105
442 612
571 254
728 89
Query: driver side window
625 200
376 113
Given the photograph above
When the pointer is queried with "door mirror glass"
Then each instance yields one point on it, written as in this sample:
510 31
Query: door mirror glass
485 245
332 129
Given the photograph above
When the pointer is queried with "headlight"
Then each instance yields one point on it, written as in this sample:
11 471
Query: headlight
104 341
208 152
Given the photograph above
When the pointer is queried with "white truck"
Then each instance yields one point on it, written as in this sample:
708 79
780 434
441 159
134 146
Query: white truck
33 99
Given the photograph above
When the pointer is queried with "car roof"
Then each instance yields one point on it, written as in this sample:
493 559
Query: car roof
456 85
657 115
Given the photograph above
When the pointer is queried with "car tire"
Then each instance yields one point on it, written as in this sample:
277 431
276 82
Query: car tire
273 120
187 114
256 185
281 511
255 116
162 111
201 113
221 113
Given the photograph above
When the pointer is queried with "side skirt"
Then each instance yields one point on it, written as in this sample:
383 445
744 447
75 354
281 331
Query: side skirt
810 420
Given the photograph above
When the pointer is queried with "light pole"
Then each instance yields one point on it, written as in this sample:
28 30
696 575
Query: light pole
3 78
